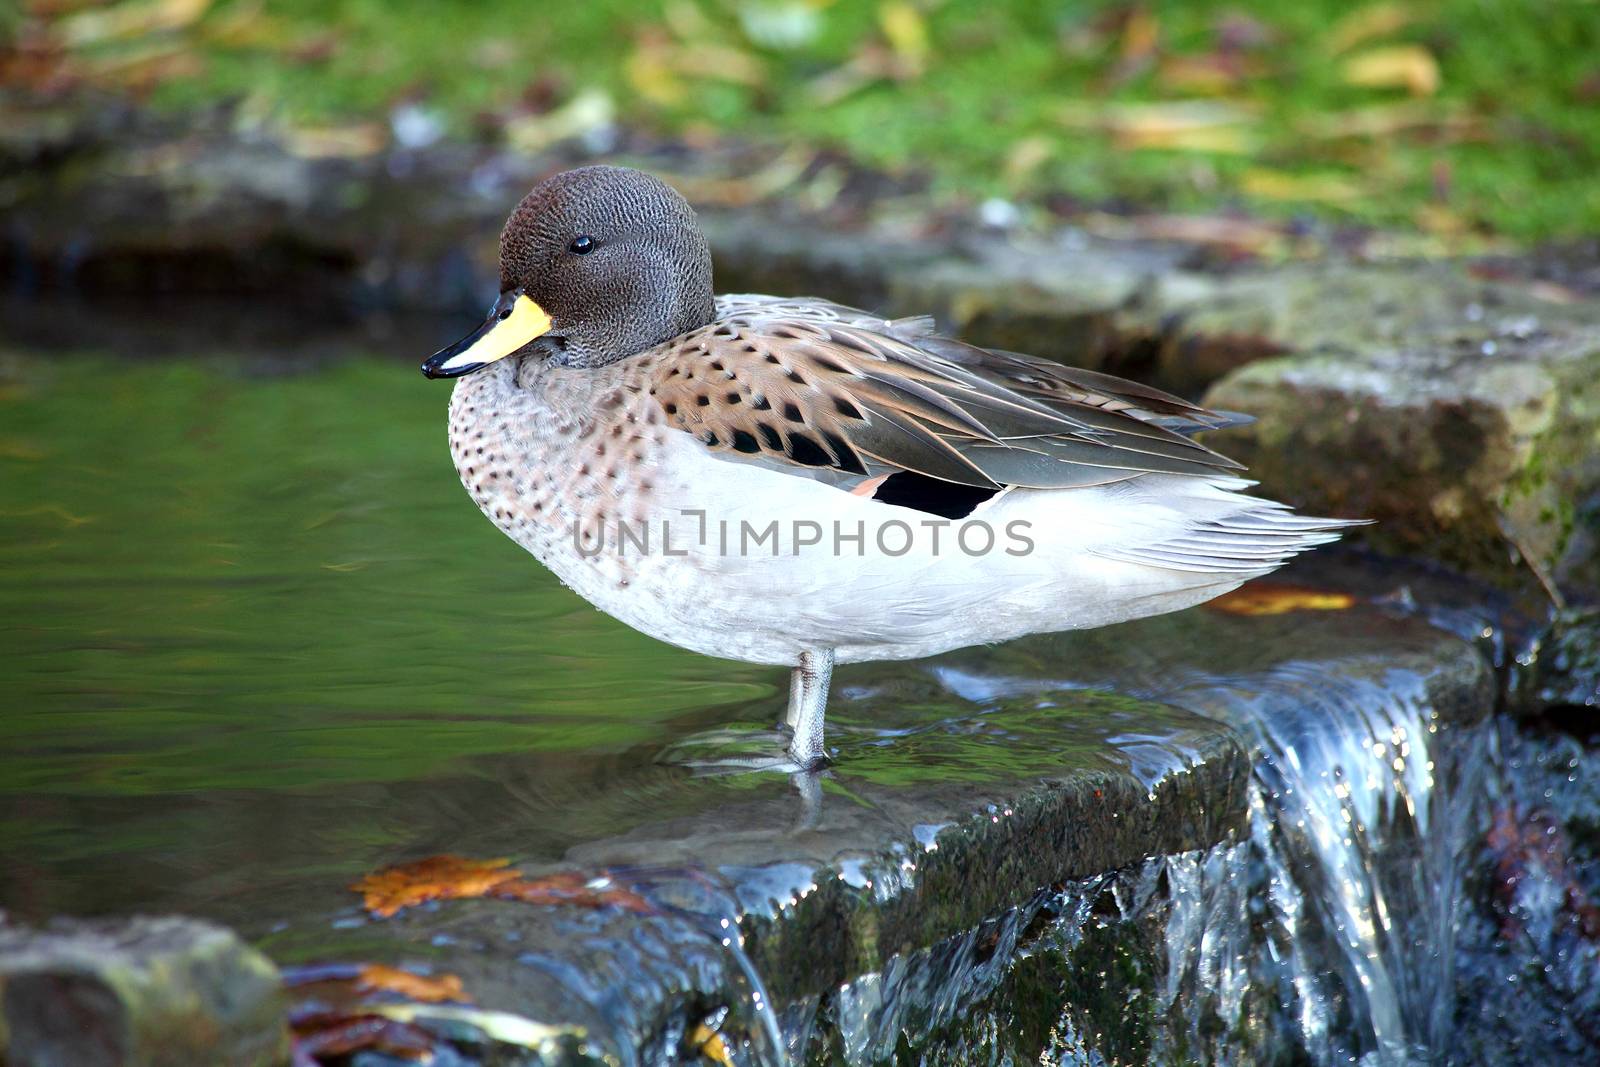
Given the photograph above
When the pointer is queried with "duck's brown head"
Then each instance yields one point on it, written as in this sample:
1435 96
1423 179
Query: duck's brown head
596 264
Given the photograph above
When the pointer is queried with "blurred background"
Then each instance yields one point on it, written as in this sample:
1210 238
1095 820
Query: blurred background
1465 121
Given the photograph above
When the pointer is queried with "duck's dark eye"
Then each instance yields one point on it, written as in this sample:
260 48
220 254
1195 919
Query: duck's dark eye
581 246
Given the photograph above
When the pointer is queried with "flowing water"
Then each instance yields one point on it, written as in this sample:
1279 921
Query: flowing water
1326 935
256 642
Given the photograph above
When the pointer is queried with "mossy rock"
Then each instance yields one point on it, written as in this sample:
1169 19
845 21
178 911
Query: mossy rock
139 992
1471 436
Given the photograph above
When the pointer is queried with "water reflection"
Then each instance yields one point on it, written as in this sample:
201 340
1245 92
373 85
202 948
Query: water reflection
251 635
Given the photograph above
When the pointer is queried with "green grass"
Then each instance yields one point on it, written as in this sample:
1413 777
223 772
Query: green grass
1507 143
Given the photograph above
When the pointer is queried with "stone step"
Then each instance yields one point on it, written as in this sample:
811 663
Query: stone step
767 895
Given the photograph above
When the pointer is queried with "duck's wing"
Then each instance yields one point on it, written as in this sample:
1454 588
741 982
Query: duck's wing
815 309
811 385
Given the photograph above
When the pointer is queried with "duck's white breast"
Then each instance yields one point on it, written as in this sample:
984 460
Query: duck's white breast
733 559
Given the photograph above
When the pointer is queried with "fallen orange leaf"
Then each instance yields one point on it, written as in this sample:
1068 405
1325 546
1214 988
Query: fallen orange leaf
1272 599
434 878
573 887
320 1038
457 878
425 988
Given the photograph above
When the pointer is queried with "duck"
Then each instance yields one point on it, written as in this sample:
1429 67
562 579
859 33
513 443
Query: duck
788 481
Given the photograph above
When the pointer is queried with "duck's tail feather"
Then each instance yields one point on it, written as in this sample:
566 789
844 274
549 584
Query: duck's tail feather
1252 537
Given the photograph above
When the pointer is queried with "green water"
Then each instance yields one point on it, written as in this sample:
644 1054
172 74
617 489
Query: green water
255 641
252 630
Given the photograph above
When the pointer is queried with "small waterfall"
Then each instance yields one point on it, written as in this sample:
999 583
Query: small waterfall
1364 807
1326 934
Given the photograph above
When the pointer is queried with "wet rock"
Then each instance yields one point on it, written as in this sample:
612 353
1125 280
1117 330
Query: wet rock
1559 679
1528 942
1326 935
141 992
1462 415
772 892
894 900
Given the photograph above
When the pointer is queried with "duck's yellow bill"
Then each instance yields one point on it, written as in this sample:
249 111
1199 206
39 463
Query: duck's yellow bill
513 321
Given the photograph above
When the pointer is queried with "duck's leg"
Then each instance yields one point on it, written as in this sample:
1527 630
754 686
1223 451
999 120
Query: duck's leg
808 699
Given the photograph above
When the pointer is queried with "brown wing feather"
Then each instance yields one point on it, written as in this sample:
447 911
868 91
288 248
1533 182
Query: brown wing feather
840 389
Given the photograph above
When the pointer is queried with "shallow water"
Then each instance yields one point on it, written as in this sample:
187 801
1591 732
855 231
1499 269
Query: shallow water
258 642
253 629
255 641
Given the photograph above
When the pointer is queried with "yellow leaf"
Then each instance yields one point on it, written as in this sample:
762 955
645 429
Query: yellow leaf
649 70
1193 125
1319 188
245 26
709 1044
337 142
686 21
1026 156
720 61
1440 220
591 109
906 30
1229 140
15 448
1363 24
122 21
1269 598
1440 122
1401 66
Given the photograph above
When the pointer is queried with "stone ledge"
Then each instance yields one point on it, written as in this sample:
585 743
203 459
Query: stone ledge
1475 441
766 900
817 886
